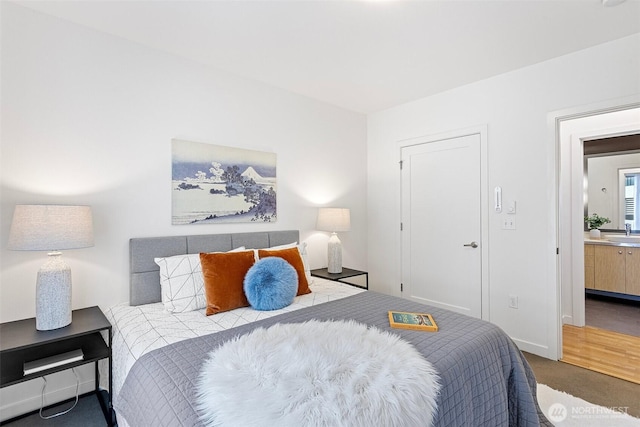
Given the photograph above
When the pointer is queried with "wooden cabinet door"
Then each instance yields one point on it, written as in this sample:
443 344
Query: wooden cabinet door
632 270
589 281
609 268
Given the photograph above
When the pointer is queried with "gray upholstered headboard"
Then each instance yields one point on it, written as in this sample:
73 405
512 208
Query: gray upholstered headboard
144 287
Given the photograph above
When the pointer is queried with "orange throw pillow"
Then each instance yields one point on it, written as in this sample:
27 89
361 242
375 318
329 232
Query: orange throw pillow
292 256
223 279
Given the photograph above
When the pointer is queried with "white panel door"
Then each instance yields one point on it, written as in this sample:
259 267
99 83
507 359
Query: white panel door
442 224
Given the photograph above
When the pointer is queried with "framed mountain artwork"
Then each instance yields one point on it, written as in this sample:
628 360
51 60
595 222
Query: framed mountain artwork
218 184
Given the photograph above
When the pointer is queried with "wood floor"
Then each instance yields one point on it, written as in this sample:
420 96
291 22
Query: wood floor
603 351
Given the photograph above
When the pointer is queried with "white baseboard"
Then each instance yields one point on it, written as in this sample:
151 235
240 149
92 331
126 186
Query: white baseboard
25 397
533 348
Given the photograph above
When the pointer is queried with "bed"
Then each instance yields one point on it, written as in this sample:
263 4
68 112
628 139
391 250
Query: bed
484 378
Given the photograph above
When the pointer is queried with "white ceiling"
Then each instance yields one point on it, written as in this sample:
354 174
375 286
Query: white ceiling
364 56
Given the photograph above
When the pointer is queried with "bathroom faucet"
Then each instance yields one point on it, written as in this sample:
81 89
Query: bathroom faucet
627 229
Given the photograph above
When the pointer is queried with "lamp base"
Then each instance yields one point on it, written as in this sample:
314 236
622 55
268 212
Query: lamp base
334 254
53 294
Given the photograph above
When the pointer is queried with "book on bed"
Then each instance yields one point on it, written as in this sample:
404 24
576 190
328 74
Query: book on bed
414 321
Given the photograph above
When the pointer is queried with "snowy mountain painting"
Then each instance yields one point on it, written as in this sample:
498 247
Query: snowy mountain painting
216 184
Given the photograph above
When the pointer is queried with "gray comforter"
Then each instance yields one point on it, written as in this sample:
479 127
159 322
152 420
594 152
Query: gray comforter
486 380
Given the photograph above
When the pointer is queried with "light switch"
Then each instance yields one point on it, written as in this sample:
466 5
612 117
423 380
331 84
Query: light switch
511 209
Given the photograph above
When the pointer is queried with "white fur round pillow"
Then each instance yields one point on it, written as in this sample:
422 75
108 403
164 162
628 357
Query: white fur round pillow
317 374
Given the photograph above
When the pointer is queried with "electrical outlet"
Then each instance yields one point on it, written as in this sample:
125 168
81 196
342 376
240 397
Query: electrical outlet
509 222
513 301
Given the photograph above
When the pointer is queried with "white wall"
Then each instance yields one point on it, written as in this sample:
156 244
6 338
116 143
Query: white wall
603 173
88 118
515 107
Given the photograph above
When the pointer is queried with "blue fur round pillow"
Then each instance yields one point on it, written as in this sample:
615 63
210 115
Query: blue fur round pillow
271 284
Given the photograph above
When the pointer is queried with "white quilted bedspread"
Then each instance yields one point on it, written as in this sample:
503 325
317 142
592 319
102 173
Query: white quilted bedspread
141 329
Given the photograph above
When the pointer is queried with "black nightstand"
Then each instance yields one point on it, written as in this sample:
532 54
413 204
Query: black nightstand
20 342
339 277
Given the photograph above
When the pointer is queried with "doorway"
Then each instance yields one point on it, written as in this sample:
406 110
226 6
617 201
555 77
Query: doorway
571 133
443 180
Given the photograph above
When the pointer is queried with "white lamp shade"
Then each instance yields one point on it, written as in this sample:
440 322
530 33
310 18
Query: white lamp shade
51 228
334 219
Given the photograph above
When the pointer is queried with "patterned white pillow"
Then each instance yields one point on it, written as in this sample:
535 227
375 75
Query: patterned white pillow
182 283
302 248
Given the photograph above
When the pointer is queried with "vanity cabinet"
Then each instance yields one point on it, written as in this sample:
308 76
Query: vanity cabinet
633 271
610 269
615 269
589 280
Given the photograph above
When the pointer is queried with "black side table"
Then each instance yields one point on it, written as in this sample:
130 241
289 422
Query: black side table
339 277
21 342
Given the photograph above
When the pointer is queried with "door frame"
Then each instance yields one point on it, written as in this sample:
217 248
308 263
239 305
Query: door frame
566 240
482 131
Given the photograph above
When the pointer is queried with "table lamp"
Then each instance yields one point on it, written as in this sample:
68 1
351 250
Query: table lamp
334 220
52 228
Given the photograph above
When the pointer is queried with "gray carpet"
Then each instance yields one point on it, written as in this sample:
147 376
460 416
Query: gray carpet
591 386
87 413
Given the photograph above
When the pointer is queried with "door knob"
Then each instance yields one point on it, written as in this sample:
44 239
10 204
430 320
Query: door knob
472 244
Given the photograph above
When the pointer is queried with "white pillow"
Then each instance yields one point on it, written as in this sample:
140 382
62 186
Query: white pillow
182 283
302 248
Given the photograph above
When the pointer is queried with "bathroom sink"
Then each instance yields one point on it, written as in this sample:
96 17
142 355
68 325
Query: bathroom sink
621 238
